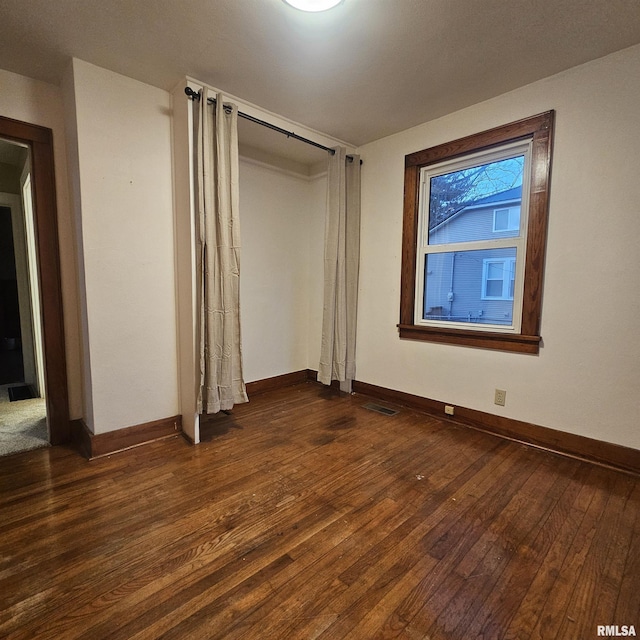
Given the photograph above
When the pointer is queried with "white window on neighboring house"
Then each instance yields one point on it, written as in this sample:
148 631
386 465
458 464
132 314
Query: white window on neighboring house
498 279
506 219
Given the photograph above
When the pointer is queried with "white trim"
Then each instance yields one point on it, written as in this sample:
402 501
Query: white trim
507 270
519 242
34 279
28 284
185 259
502 152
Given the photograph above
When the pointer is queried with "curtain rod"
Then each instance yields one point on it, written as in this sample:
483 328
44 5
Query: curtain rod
195 95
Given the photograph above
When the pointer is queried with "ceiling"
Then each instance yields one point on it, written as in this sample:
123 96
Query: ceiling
12 153
359 72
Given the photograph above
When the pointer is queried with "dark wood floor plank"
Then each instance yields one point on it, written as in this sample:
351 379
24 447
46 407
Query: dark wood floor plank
371 577
304 515
592 583
248 550
620 532
483 567
628 602
457 506
526 543
556 537
465 553
557 610
317 581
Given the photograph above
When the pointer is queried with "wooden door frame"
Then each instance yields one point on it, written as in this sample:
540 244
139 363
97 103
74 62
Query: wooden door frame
40 142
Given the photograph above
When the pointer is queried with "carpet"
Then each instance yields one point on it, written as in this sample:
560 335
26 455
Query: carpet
23 424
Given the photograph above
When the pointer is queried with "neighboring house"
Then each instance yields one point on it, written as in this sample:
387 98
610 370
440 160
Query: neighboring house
474 285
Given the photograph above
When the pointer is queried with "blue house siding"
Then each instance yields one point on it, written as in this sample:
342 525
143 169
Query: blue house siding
471 224
454 283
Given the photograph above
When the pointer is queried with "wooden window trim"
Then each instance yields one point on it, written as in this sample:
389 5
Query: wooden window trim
539 129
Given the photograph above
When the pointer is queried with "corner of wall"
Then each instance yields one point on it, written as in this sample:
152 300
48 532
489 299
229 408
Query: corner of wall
73 163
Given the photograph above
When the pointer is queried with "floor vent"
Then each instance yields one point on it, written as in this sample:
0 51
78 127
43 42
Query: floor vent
380 409
21 392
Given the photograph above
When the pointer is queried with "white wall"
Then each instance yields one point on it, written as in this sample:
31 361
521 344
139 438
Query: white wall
586 378
281 258
315 282
123 133
41 104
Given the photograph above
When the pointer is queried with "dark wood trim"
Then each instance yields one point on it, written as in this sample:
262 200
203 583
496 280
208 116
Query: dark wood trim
104 444
81 437
537 228
276 382
312 376
483 339
409 244
537 128
187 437
40 141
284 380
568 444
512 132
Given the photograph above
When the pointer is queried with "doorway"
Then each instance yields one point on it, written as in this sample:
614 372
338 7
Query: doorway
23 423
36 343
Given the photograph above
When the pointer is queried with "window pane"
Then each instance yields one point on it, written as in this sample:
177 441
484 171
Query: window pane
457 286
462 203
495 271
514 219
502 219
494 288
512 280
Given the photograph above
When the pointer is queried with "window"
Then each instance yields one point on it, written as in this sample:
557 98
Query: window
465 266
475 220
498 279
506 219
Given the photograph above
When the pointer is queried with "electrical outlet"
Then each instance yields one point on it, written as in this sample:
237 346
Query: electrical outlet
501 397
449 409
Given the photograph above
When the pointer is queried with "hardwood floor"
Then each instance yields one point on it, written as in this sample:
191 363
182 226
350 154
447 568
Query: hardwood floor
304 515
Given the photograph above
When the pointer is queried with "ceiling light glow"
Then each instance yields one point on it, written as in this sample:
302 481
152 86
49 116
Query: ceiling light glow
313 5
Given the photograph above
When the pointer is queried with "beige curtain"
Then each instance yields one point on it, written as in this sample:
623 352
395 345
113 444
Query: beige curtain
221 381
341 264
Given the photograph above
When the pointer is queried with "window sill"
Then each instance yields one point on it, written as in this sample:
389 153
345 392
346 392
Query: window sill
517 343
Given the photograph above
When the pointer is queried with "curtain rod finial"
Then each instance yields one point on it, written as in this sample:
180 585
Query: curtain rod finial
194 95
